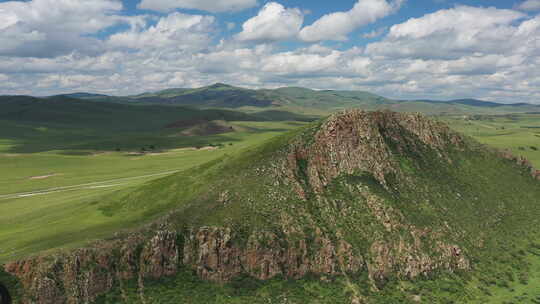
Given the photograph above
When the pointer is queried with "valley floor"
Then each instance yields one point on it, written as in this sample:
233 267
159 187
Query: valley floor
49 200
518 133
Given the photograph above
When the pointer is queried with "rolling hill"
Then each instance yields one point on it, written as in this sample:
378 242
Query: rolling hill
83 95
314 102
222 95
72 112
217 95
307 102
363 207
59 123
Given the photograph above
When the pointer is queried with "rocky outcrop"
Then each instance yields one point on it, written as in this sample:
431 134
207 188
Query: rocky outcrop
82 275
160 256
356 141
522 162
216 254
212 252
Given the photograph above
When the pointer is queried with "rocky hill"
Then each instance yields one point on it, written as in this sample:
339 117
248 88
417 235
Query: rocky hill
366 199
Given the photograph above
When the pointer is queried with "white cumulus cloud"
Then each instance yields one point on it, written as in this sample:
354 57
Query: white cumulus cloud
336 26
45 28
375 33
214 6
291 63
273 22
451 33
529 5
181 31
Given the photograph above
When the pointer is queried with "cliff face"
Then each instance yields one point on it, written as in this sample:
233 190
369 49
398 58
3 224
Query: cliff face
214 257
344 198
84 274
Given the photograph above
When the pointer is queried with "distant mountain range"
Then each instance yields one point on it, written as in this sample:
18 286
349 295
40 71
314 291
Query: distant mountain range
301 101
83 95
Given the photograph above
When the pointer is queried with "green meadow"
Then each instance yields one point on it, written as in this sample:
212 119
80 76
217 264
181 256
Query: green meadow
49 199
518 133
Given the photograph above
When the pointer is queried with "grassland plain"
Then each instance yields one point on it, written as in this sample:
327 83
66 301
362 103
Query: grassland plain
518 133
31 223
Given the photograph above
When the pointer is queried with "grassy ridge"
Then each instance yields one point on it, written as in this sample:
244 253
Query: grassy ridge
59 142
488 203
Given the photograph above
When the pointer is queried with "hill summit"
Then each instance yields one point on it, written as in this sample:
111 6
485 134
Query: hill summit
373 197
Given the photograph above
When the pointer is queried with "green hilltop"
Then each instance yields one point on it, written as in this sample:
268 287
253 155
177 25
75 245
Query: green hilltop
362 207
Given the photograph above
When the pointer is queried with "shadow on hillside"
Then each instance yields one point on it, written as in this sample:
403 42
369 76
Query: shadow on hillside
277 115
29 138
29 124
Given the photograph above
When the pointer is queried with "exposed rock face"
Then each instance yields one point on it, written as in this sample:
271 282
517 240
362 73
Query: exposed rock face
84 274
522 162
160 258
213 254
363 141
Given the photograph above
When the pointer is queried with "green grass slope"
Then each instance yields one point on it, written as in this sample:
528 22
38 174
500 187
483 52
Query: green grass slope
71 214
429 216
225 96
76 113
217 96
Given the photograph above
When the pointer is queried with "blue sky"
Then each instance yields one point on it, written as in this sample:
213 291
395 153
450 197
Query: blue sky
317 8
397 48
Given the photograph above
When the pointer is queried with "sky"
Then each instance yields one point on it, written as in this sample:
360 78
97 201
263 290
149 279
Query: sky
405 49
